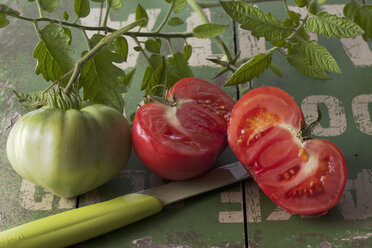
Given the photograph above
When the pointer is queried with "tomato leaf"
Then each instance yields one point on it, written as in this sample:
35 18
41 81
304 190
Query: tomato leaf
318 55
332 26
141 14
146 77
126 81
100 77
53 53
175 21
30 101
49 5
82 8
208 30
301 3
69 34
295 17
153 46
3 21
361 15
116 4
65 16
178 68
253 19
253 68
122 47
4 11
179 5
187 51
276 70
157 82
303 65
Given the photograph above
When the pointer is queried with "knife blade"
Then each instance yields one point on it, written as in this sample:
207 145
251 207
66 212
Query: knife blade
80 224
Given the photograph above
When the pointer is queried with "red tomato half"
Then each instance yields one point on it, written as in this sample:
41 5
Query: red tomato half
183 140
301 176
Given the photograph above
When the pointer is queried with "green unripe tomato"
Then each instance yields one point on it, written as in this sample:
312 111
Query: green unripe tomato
70 152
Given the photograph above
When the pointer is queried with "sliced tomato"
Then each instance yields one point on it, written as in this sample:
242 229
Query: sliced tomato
183 139
301 176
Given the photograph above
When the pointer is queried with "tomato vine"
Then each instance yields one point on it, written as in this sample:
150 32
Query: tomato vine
288 37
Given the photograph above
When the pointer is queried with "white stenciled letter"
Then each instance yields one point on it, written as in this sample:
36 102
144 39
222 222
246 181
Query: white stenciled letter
253 209
356 48
361 113
358 207
336 112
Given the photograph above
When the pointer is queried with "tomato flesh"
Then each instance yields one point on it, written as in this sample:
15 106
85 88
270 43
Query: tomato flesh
303 177
183 140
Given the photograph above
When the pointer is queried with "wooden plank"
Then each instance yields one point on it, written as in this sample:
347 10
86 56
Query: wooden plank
343 101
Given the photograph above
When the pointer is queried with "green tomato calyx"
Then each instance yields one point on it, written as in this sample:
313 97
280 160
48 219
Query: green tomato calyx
61 100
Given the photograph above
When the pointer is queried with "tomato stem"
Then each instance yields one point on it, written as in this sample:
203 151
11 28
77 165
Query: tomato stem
152 98
307 131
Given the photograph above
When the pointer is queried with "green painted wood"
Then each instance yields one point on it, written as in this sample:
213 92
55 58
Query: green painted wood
215 219
345 105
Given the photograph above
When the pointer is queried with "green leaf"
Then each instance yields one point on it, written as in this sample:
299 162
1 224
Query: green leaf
153 46
276 70
100 77
175 21
321 1
179 6
53 53
146 77
141 14
361 15
301 3
137 48
259 23
178 68
69 34
30 101
208 30
126 81
252 68
4 9
295 17
82 8
116 4
318 56
3 21
49 5
303 65
187 51
313 9
158 78
332 26
65 15
122 45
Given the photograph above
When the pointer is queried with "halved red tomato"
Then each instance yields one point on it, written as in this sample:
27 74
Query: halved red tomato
183 139
265 133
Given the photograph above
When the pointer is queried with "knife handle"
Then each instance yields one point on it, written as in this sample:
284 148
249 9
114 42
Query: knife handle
77 225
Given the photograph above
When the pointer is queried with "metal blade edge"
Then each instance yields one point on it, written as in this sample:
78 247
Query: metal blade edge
213 179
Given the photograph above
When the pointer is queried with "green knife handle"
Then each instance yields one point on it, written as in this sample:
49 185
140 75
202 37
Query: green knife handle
81 224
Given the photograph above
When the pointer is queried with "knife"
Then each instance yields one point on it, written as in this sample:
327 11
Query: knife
77 225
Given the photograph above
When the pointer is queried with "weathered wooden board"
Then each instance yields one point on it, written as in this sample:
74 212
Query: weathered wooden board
215 219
